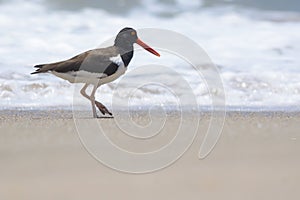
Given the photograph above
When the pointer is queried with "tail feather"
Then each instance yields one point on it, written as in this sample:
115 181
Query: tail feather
39 70
36 72
39 66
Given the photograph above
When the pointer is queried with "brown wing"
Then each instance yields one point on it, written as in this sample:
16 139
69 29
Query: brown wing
62 66
97 60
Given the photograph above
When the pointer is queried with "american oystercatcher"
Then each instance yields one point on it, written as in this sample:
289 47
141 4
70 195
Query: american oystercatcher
98 66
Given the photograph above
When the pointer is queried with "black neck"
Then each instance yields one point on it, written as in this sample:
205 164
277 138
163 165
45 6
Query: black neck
126 51
126 57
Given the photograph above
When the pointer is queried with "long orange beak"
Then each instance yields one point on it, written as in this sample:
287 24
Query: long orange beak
146 47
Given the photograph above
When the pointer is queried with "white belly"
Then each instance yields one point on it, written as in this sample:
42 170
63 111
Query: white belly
90 77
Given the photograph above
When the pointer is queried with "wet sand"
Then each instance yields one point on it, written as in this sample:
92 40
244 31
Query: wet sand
257 157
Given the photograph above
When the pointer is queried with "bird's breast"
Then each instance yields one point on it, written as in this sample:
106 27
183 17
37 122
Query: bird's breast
120 70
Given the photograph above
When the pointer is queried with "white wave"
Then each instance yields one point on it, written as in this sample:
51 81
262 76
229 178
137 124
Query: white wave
258 56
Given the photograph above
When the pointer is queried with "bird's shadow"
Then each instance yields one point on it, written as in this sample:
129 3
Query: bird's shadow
98 117
105 117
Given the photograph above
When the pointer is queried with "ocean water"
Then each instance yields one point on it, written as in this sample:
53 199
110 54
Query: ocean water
254 45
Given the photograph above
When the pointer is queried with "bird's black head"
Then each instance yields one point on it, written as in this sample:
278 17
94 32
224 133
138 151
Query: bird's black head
126 38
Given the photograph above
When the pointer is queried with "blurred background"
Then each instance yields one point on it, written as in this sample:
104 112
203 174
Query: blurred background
254 43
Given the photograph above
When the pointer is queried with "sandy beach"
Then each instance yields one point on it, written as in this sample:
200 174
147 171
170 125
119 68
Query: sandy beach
257 157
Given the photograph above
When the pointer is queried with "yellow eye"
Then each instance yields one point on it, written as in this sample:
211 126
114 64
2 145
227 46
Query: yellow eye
132 33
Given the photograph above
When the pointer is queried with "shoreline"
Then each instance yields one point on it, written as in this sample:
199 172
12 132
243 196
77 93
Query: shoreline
288 109
68 112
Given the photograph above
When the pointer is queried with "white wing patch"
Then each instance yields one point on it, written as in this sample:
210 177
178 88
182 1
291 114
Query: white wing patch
117 60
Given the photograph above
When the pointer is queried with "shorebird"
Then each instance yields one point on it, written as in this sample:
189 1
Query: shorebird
98 66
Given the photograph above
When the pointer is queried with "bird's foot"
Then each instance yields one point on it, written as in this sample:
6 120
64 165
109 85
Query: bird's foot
102 108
